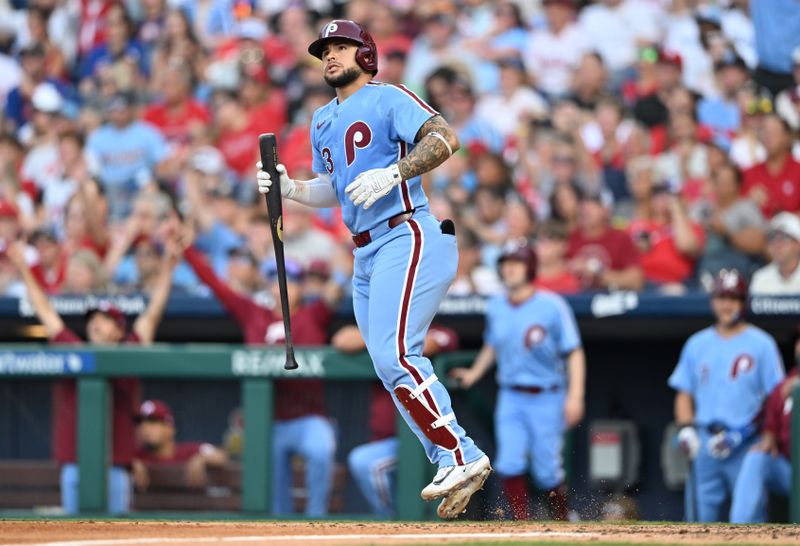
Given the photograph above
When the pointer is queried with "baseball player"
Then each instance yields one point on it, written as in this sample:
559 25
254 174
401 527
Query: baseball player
724 374
370 145
767 468
541 369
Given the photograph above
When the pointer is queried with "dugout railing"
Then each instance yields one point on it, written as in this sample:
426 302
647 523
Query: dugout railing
255 370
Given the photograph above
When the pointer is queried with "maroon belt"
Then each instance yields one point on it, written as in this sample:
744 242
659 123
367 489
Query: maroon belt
364 238
535 390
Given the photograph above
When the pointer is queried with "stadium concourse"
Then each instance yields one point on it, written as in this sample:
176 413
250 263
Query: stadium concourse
333 534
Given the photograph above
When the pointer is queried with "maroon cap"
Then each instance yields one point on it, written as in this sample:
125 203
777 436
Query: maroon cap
7 209
343 29
110 310
155 410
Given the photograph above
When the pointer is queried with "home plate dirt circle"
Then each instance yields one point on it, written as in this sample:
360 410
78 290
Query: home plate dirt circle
155 533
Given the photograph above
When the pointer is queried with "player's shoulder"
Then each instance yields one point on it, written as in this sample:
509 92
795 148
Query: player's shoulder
702 337
758 335
551 298
324 110
398 94
496 303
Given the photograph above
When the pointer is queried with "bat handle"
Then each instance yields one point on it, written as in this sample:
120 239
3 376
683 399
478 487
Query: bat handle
291 363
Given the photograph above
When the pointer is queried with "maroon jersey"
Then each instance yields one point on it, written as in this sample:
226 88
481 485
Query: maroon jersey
261 326
614 249
184 451
381 406
126 397
778 414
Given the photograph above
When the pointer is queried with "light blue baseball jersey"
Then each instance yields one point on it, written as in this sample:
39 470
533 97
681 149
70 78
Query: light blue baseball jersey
531 339
371 129
728 378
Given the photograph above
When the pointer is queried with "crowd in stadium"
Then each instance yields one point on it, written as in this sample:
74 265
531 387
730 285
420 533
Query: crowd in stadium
644 144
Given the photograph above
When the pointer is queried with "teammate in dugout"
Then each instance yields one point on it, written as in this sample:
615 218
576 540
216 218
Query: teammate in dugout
156 445
541 371
766 468
724 374
105 325
301 426
370 146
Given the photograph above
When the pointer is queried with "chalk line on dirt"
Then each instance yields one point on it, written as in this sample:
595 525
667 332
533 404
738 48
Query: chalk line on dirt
298 538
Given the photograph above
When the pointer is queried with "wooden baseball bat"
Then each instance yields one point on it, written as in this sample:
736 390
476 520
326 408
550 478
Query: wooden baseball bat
268 148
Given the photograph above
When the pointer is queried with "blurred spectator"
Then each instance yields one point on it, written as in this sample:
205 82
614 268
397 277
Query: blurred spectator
589 82
782 274
777 34
552 272
520 103
38 33
436 45
236 133
126 154
486 221
774 184
177 44
50 268
156 446
555 52
119 54
685 162
565 205
746 148
601 256
85 217
41 163
105 325
721 113
606 138
787 103
472 277
668 241
474 133
18 108
177 115
303 241
300 425
613 28
735 228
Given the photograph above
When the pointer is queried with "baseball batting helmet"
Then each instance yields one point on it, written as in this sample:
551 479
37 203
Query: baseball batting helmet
729 283
343 29
521 251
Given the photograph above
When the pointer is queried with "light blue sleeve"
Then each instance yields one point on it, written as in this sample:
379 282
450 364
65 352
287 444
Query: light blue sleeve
569 337
771 366
157 144
490 332
406 111
681 378
317 163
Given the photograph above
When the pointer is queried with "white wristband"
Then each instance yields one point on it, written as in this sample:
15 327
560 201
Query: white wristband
440 137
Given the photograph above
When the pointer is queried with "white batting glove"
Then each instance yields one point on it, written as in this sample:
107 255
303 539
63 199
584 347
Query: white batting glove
287 185
689 441
723 443
371 185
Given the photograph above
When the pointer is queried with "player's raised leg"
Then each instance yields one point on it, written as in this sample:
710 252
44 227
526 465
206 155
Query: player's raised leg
420 260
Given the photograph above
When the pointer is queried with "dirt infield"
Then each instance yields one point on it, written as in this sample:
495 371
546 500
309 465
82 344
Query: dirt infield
114 533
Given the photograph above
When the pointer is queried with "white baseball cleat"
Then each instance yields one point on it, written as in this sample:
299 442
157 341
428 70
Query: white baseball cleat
456 502
450 478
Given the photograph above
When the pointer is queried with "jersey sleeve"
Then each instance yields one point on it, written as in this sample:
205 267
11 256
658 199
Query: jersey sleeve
681 378
771 366
490 332
317 165
406 111
569 337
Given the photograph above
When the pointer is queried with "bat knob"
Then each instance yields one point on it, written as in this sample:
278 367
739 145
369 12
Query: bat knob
291 363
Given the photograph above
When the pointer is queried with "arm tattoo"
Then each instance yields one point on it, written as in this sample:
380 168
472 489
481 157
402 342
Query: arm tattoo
430 151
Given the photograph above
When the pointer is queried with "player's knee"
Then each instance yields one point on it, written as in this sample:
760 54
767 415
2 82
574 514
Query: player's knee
358 461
